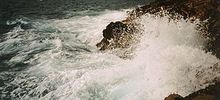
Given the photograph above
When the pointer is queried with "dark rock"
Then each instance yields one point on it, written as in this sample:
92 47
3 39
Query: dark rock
103 44
187 9
174 97
211 92
200 9
113 34
114 30
191 9
118 34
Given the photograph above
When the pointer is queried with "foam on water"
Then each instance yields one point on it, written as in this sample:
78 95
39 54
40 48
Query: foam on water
168 59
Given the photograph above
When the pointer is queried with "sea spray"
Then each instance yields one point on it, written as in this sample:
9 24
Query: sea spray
169 58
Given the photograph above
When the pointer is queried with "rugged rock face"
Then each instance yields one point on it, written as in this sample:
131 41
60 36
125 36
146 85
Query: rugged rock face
119 34
113 31
212 92
174 97
200 9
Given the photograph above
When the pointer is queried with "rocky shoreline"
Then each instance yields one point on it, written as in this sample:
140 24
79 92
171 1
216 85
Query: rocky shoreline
120 34
211 92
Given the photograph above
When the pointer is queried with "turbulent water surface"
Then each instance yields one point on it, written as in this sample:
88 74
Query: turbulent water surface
48 52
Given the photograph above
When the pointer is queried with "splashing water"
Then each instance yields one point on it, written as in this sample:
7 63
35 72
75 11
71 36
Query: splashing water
66 65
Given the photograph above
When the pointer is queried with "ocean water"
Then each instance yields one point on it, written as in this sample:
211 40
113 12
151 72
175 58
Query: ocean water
48 52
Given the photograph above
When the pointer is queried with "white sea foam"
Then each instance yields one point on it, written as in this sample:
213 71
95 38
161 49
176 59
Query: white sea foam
169 59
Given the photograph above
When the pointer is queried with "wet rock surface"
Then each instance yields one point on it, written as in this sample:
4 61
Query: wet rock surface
211 92
174 97
209 10
116 33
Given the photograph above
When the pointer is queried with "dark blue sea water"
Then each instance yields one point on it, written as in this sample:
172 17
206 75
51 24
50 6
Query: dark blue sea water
57 9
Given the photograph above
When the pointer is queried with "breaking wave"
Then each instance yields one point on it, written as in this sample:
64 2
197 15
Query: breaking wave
63 63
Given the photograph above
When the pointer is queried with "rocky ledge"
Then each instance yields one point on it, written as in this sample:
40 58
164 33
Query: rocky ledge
212 92
119 34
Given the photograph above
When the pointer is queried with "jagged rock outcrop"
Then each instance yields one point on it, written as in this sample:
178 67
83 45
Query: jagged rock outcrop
174 97
119 34
113 31
212 92
199 9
